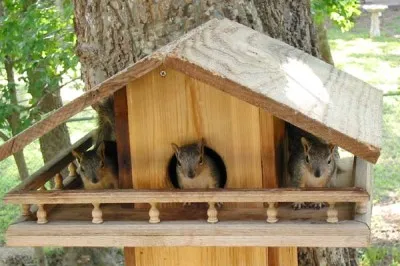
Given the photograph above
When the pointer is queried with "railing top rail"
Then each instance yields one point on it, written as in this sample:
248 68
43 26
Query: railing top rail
196 195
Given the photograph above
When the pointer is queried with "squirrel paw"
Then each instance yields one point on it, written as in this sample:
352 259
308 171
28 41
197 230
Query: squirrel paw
298 205
187 204
317 205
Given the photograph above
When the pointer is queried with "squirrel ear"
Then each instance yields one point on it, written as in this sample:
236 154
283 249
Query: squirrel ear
101 151
77 155
175 148
306 144
200 145
331 148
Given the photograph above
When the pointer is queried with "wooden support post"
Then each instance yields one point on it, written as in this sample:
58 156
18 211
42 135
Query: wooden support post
363 179
154 213
97 214
41 214
332 213
212 213
26 210
272 212
125 179
272 135
122 137
58 182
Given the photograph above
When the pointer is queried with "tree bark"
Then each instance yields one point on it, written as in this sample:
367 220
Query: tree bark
13 119
57 139
114 34
323 44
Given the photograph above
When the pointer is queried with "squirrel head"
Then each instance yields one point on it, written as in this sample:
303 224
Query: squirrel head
319 158
190 158
91 163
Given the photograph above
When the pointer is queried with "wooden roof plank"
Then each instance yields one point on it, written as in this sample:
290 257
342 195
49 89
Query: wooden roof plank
268 73
70 109
286 82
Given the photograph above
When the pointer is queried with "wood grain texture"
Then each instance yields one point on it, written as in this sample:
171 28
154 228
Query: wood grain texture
363 174
287 83
50 169
272 134
282 256
176 108
188 195
189 233
265 72
122 139
179 109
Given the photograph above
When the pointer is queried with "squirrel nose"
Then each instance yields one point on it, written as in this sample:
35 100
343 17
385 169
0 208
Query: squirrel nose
317 173
191 174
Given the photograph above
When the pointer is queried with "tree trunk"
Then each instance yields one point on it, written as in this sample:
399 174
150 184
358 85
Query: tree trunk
13 119
113 34
323 44
57 139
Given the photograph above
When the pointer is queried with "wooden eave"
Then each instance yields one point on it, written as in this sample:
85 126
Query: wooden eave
283 80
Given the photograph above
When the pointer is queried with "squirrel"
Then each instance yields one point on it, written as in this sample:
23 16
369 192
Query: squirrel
312 163
98 167
194 168
105 121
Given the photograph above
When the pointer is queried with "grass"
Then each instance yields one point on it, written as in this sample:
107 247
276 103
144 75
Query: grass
377 61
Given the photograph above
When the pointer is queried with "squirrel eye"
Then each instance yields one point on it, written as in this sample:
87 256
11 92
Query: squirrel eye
329 161
82 170
307 159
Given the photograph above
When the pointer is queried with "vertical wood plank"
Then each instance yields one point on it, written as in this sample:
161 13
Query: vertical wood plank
176 108
363 179
272 134
204 256
130 257
122 138
124 156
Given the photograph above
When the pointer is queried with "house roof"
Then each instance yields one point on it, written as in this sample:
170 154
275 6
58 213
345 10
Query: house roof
265 72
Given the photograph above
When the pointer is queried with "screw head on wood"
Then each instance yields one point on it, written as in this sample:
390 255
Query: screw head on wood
163 73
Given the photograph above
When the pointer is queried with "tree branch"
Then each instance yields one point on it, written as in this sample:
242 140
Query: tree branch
3 136
392 93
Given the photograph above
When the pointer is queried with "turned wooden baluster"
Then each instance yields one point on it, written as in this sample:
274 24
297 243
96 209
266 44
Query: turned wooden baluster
362 207
97 214
332 213
212 213
154 213
41 214
26 210
272 213
72 169
58 182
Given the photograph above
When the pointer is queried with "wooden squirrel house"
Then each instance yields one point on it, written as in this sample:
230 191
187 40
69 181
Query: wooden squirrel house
236 88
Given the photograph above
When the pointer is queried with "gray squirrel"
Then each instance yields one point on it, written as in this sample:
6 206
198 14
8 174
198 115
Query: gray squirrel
195 168
312 163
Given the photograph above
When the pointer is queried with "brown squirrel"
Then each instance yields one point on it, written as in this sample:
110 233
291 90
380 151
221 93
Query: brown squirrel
98 167
194 168
312 163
